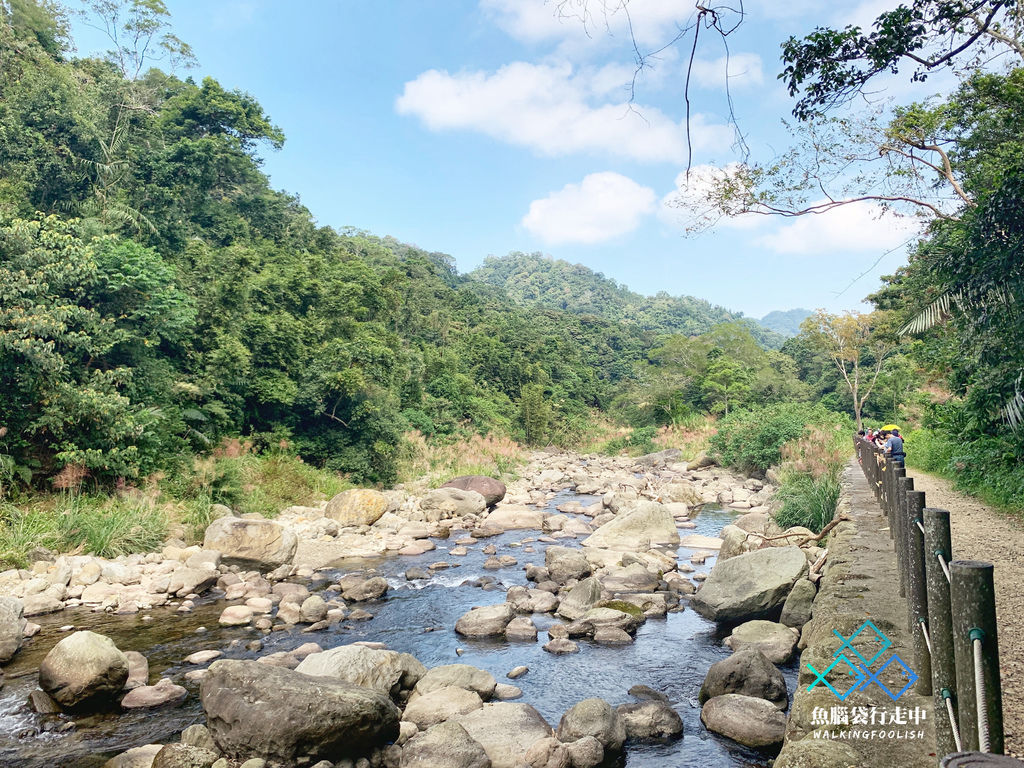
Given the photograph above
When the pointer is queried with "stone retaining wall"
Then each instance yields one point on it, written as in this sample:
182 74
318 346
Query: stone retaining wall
860 583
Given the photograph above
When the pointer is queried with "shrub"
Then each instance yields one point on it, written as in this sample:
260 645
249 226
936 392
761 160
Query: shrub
752 440
808 500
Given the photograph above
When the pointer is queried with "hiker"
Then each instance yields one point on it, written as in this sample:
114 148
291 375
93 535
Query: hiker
894 447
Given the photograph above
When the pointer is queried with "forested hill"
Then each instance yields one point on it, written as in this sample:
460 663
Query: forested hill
787 323
536 280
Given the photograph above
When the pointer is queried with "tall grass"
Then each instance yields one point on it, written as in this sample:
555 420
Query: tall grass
420 459
809 485
690 434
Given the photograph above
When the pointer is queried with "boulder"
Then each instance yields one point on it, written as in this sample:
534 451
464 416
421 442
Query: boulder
359 506
647 525
138 670
796 611
598 618
379 670
460 676
750 586
775 641
164 693
509 518
593 717
587 752
564 564
278 714
826 753
492 490
735 541
506 731
184 756
137 757
12 627
446 503
447 745
84 668
187 581
440 705
370 589
751 721
631 578
658 459
749 673
580 599
251 543
548 753
485 621
521 628
650 721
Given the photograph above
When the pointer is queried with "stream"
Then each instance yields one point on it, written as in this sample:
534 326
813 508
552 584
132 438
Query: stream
671 654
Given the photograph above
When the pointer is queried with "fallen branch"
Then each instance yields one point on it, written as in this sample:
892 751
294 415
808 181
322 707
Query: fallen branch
806 539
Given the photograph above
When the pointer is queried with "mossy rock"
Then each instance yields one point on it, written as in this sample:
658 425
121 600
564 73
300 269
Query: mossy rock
622 605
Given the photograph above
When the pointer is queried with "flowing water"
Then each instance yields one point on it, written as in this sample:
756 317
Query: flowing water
671 654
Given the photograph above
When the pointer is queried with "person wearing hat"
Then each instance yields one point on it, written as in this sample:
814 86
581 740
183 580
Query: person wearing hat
894 447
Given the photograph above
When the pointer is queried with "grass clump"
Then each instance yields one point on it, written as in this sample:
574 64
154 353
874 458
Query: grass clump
468 454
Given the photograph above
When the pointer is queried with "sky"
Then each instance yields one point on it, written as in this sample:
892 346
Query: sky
481 127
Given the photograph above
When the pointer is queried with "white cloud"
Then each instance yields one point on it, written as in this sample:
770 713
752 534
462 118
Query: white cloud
602 206
744 70
548 109
689 205
853 227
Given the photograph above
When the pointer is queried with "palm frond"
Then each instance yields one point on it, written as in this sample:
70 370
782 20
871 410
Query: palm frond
1012 411
932 315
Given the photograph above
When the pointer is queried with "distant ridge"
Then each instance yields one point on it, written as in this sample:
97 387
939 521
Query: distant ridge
786 323
537 280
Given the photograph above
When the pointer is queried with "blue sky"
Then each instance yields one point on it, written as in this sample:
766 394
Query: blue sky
487 126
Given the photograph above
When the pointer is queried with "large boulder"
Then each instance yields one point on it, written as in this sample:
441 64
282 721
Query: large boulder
564 563
258 710
359 506
12 627
485 621
647 525
492 490
369 589
593 717
251 543
82 669
747 672
750 721
650 721
796 611
580 599
506 730
373 668
440 705
750 586
510 518
445 503
459 675
447 745
776 641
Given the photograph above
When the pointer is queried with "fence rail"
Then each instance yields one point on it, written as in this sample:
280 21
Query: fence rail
951 612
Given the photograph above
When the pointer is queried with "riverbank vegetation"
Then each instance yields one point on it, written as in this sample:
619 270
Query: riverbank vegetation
174 333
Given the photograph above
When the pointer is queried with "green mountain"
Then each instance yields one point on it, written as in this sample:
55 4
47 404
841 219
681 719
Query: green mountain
535 280
786 323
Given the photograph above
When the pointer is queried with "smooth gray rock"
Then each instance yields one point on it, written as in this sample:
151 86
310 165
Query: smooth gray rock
253 543
750 586
650 721
12 627
747 672
369 589
751 721
548 753
587 752
459 675
774 640
441 705
379 670
506 731
184 756
254 709
447 745
137 757
564 564
593 717
580 599
485 621
796 611
82 669
647 525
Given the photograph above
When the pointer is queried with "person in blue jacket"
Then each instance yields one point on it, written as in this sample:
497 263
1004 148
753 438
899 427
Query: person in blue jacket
894 447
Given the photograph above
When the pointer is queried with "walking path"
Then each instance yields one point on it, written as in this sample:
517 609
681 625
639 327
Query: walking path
981 533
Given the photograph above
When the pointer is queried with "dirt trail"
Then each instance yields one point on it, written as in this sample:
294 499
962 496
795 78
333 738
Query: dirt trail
982 533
